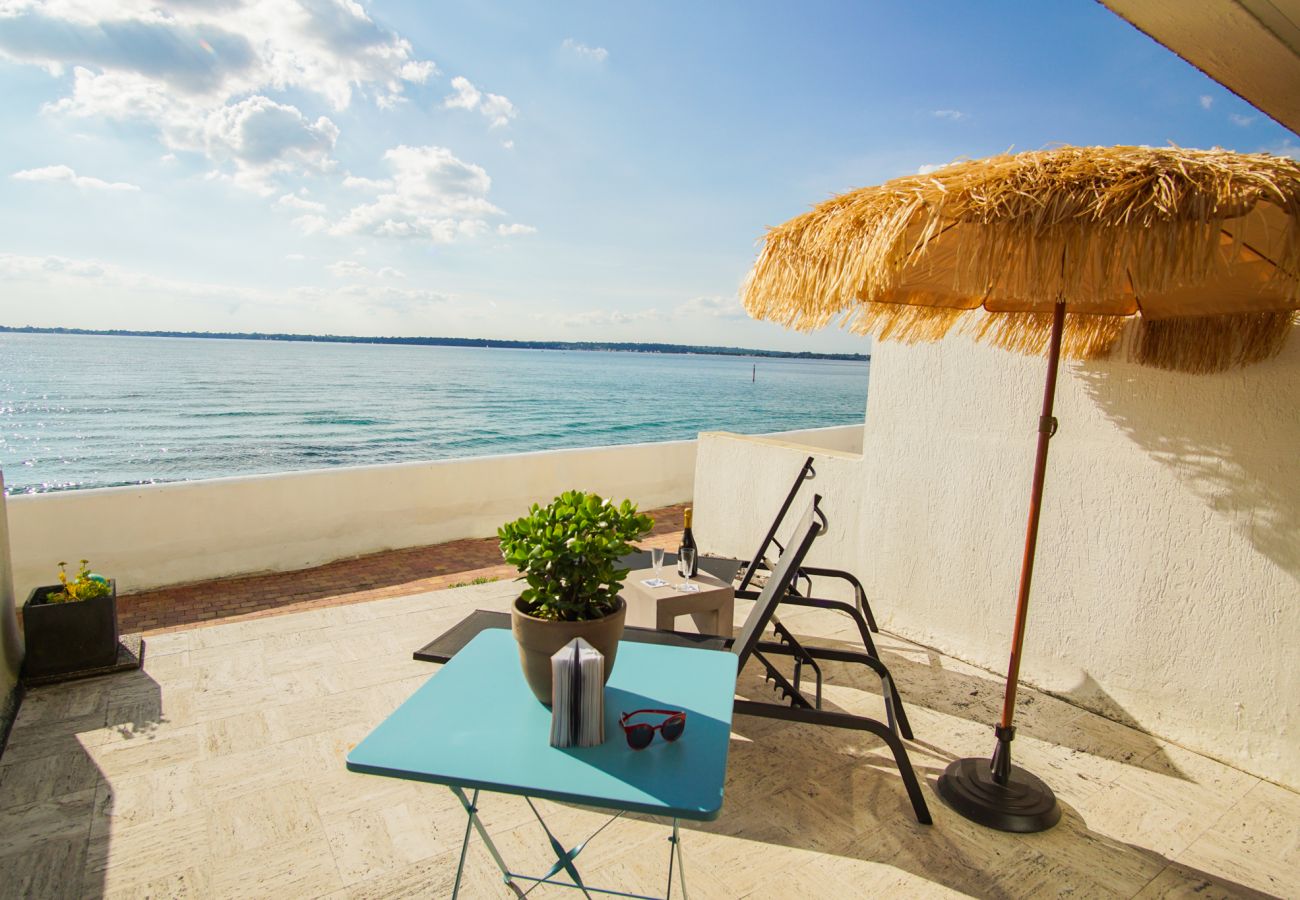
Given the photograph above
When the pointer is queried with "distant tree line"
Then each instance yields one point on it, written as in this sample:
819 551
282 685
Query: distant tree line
622 346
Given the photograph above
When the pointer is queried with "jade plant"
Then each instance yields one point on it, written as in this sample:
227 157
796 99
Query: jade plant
86 586
568 553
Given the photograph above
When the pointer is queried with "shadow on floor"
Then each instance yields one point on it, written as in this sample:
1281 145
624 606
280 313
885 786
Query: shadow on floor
838 792
54 794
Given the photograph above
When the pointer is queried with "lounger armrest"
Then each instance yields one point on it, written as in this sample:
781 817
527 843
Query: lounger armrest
834 573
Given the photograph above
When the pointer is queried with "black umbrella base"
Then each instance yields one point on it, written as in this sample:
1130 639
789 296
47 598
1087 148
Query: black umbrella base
1024 804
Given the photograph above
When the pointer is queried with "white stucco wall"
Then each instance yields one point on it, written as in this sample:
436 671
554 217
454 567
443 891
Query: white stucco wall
164 534
10 641
1167 586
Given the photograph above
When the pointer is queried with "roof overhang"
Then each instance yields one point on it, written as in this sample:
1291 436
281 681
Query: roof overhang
1251 47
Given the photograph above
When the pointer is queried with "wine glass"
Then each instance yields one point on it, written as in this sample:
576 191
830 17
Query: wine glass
657 560
687 562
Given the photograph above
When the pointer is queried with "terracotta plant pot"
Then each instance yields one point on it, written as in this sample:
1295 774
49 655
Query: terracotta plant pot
539 639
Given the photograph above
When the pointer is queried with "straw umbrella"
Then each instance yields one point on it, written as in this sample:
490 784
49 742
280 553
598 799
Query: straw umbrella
1054 252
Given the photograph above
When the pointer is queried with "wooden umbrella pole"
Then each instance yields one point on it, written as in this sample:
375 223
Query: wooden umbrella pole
1046 428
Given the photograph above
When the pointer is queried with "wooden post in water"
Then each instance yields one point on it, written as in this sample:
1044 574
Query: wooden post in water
753 375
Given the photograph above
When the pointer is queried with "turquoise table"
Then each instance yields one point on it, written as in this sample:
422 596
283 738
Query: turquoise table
476 726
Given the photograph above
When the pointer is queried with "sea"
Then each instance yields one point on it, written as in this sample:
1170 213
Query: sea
90 411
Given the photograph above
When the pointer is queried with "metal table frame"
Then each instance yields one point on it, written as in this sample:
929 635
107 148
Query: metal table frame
438 735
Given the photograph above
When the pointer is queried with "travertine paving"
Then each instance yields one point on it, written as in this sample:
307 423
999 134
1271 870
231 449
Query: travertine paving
218 771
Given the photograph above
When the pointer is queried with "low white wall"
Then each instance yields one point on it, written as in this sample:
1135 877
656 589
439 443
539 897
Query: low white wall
164 534
741 481
1166 592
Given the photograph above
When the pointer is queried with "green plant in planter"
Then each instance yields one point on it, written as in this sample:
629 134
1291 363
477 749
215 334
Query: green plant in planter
568 552
86 586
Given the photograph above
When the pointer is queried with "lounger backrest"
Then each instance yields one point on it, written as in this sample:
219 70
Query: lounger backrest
756 561
778 583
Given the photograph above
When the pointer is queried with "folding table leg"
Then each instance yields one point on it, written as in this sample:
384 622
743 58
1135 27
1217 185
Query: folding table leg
676 851
471 810
564 861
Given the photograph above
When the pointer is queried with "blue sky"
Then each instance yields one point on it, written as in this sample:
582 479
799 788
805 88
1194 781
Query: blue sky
575 171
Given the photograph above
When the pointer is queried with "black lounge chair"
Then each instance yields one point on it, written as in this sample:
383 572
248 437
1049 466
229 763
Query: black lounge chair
799 707
729 569
759 563
750 644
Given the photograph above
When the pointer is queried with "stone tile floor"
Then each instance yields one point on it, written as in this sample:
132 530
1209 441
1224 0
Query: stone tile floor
218 771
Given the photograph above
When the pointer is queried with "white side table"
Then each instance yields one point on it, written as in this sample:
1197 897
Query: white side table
712 609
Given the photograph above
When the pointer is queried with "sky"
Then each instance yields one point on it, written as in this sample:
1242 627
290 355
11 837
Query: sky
517 170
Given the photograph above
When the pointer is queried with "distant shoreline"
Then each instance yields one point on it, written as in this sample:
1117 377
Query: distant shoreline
592 346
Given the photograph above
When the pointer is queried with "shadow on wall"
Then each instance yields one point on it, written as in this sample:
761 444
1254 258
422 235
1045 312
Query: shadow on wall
1235 447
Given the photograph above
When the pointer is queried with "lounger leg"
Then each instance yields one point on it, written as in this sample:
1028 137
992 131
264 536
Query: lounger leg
909 780
904 726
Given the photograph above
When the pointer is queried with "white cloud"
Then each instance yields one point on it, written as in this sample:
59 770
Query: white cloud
1285 147
191 55
346 268
711 307
418 72
196 70
58 270
293 201
15 267
952 115
67 174
432 196
57 276
1206 101
928 168
374 296
466 96
495 108
509 145
1240 120
582 51
311 224
294 257
514 229
261 137
603 317
367 184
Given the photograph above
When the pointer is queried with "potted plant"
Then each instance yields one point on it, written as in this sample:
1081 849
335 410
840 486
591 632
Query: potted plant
568 553
70 626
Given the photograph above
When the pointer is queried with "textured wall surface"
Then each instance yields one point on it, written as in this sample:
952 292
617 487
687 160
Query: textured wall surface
10 641
164 534
1167 587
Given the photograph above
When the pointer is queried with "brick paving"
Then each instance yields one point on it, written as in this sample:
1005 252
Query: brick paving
378 575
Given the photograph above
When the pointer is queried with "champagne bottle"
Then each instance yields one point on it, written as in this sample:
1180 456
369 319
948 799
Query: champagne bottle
688 543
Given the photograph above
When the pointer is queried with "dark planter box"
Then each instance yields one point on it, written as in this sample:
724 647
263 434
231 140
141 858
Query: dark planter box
69 637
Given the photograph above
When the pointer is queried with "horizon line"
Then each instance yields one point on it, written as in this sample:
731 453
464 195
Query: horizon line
490 343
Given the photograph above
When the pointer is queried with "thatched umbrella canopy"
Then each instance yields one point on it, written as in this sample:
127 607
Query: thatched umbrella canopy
1203 245
1056 251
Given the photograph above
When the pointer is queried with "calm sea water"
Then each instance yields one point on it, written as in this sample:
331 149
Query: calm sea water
88 411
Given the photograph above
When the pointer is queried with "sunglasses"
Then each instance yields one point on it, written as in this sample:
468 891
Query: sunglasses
639 735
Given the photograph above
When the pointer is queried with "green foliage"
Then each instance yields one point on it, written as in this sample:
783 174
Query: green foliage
86 586
568 552
481 579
